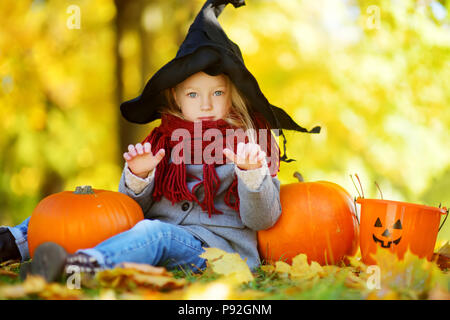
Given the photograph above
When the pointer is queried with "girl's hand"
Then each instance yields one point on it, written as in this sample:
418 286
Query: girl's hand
248 156
140 159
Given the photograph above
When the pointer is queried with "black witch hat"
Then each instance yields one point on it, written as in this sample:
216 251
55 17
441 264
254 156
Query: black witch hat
207 48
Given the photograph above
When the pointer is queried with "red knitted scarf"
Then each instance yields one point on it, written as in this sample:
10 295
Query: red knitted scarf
186 142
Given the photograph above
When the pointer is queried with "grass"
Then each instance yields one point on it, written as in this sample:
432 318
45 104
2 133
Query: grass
333 283
271 285
276 287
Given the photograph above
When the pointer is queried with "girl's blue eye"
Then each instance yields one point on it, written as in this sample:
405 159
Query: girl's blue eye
194 94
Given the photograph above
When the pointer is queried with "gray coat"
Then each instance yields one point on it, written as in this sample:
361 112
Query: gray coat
259 210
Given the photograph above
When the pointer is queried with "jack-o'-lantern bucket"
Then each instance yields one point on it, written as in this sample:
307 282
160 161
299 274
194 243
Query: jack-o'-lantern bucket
398 226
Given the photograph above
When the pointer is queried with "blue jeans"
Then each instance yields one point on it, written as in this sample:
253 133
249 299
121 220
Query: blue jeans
20 233
149 241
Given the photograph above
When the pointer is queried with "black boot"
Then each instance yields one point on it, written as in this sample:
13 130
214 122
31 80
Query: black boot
8 247
51 261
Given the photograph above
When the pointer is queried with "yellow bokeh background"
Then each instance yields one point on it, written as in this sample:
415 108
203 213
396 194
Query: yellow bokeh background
373 74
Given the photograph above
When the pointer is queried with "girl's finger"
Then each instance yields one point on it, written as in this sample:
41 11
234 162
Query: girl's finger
240 153
160 154
126 156
261 156
252 154
139 148
147 147
229 154
132 150
247 152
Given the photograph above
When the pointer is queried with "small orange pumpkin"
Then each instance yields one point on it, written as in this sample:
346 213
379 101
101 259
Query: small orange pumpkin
81 219
318 219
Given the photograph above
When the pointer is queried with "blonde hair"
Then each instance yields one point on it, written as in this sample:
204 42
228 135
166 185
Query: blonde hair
238 116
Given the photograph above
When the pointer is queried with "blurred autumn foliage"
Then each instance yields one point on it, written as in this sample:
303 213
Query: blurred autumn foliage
373 74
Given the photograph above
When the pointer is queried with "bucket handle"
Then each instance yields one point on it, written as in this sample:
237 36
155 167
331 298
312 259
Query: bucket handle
356 215
445 219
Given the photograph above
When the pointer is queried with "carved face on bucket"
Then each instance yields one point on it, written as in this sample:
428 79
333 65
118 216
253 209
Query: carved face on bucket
387 235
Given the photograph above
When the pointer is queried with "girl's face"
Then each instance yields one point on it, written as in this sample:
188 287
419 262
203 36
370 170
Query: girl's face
203 97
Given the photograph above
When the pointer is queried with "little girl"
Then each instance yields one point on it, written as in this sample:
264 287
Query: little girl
183 213
197 191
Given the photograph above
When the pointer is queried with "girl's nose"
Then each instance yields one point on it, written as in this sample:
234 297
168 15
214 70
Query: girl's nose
206 104
206 107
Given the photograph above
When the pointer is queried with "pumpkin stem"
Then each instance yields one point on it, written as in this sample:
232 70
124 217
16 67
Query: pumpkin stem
83 190
299 176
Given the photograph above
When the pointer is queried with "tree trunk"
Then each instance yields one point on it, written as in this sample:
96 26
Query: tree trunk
128 15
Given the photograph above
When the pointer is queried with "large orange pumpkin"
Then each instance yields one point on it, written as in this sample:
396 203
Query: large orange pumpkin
318 219
81 219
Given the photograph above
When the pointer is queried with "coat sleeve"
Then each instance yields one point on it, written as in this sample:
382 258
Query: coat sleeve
137 188
259 198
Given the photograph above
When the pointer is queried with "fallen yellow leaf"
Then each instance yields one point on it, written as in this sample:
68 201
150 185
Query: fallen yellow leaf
138 275
56 291
268 268
411 277
282 268
36 285
302 270
230 265
221 289
31 285
143 268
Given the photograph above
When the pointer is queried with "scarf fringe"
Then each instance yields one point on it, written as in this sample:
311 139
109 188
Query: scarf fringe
171 179
233 192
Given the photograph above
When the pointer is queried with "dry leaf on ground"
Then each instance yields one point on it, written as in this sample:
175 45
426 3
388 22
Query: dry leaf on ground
300 268
8 273
442 257
144 268
230 265
36 285
221 289
410 278
136 275
32 285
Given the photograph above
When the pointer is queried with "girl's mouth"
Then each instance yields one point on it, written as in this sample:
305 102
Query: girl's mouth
206 118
